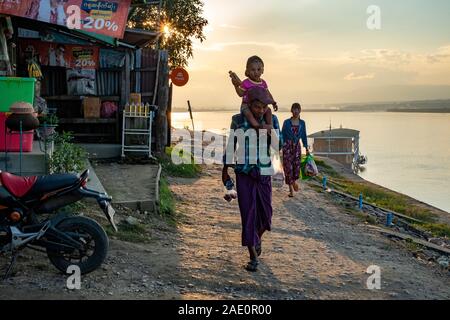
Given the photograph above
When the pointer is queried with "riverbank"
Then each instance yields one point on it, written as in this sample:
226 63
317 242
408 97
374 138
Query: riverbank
343 179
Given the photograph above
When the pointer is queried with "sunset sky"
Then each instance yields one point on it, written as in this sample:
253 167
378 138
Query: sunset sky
321 51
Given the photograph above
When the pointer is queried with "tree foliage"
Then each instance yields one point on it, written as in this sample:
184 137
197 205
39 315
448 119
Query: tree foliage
184 19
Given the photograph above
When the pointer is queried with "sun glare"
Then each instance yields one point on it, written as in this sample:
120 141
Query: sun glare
166 30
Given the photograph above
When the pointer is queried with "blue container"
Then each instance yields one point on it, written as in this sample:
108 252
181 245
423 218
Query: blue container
389 218
324 183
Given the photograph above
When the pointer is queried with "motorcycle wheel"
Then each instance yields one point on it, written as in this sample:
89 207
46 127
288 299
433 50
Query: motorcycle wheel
95 247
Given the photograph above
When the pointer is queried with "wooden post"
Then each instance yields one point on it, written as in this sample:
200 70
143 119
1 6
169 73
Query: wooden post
169 116
124 92
190 115
161 122
125 88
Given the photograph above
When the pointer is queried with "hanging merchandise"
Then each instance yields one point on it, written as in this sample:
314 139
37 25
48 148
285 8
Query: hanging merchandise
5 64
81 82
34 71
111 58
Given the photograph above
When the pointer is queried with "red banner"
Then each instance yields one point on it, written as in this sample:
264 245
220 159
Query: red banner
62 55
107 17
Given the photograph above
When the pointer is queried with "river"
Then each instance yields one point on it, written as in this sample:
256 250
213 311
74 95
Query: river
407 152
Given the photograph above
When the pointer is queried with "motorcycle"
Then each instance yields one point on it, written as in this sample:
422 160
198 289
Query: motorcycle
29 218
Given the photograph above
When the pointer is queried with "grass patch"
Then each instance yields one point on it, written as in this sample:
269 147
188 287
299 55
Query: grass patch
129 233
326 169
187 169
362 216
167 202
412 246
388 200
437 229
383 198
316 188
376 195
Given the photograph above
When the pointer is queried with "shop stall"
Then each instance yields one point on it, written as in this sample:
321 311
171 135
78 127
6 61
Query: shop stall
84 78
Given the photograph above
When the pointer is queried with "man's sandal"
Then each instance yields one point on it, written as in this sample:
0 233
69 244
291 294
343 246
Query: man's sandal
252 266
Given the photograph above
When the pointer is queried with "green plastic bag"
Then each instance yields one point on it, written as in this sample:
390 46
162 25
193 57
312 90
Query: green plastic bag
308 168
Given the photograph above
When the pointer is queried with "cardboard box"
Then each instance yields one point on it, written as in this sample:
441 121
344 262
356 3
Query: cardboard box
91 107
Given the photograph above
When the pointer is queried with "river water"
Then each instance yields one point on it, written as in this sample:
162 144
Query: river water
407 152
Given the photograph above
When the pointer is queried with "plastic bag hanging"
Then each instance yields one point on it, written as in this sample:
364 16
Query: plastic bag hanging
308 168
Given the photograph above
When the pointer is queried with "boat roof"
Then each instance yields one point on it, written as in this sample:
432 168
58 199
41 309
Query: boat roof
339 133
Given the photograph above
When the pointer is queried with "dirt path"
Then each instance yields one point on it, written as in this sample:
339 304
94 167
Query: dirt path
315 251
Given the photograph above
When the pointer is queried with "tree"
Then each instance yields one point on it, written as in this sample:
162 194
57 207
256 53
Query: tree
183 21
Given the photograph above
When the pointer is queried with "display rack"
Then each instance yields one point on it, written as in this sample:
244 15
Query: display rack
137 126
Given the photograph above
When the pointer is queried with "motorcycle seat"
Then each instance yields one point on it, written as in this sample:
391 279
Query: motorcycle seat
54 182
16 185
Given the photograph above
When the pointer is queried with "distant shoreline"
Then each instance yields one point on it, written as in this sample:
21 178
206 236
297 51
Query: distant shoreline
415 106
420 110
332 110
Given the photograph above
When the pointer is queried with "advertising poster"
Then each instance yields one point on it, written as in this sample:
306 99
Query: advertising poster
63 55
107 17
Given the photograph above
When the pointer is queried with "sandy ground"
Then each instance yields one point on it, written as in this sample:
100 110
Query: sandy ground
315 251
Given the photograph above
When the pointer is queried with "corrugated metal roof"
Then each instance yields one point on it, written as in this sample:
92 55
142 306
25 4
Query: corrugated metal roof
99 37
338 133
139 37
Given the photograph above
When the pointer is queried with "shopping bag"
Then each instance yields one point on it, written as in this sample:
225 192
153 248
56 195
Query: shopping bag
308 168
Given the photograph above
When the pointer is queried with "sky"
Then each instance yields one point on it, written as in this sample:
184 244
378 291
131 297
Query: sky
322 52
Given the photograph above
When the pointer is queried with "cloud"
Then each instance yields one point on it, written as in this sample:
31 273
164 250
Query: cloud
442 55
383 56
288 48
353 76
229 26
392 58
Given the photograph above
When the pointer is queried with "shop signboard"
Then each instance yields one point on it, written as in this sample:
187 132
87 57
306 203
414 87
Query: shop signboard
107 17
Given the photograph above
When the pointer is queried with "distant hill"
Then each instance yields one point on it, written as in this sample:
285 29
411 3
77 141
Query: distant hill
404 106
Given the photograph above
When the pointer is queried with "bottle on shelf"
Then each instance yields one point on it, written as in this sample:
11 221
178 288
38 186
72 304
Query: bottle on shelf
147 109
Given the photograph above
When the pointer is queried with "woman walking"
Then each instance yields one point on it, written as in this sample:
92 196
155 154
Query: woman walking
294 130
